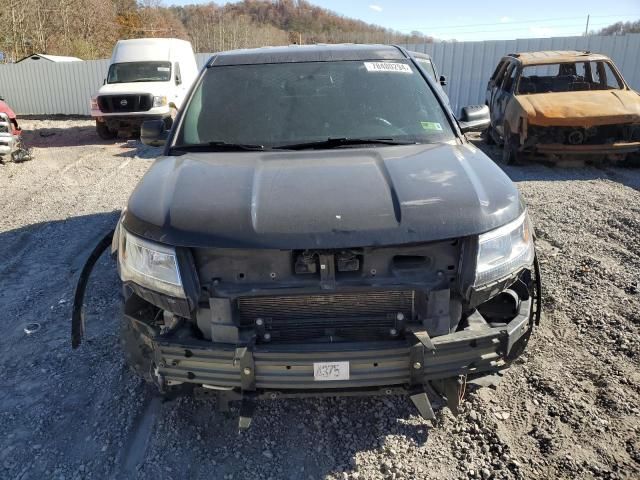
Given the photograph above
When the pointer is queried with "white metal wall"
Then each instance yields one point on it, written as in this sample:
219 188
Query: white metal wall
43 88
468 65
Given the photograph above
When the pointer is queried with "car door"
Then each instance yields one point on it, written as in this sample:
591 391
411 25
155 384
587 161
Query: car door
502 96
494 81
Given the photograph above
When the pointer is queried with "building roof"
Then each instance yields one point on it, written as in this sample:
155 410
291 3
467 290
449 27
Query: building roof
51 58
556 56
307 53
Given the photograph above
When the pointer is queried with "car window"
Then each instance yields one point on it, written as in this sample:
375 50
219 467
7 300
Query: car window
510 75
178 76
129 72
603 76
568 77
278 104
426 64
498 70
502 74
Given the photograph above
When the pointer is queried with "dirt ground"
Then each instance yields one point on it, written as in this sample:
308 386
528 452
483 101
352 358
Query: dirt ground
569 408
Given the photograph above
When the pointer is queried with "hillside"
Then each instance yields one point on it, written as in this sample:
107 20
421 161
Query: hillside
89 28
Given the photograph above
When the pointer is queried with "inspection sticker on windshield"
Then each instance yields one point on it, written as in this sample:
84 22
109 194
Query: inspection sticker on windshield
325 371
164 69
387 67
431 126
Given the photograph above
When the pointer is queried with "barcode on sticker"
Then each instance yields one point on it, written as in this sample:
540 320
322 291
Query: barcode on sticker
387 67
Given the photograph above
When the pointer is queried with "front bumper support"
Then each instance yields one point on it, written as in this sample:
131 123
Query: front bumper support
287 367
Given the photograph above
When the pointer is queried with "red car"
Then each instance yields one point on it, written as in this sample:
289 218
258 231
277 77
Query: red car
10 132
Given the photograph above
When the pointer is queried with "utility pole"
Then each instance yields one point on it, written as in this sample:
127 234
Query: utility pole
586 29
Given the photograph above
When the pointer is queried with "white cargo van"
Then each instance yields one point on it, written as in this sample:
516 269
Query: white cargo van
148 78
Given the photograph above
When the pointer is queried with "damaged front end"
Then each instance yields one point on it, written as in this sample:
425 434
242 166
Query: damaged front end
613 142
247 324
10 139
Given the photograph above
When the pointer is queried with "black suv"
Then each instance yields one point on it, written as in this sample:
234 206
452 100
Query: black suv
319 224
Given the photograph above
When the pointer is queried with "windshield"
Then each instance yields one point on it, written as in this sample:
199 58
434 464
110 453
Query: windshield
569 77
139 72
274 105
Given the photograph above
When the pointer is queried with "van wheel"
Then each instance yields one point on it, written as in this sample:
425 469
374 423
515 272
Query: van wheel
104 132
137 354
510 153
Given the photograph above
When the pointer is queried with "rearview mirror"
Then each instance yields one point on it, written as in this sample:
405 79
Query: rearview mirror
443 80
154 133
474 118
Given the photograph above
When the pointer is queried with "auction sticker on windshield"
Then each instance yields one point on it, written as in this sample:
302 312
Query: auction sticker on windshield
387 67
431 126
325 371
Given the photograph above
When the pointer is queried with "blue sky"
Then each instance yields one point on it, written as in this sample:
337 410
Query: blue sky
481 20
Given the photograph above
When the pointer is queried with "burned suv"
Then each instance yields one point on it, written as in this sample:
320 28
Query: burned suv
319 224
562 105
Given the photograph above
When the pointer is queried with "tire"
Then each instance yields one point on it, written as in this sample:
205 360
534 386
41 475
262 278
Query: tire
137 354
104 132
510 153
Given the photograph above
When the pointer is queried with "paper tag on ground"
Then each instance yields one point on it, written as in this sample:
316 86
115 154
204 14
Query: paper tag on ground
325 371
387 67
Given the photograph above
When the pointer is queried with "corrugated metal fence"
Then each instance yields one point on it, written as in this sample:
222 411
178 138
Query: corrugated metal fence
468 65
47 88
44 88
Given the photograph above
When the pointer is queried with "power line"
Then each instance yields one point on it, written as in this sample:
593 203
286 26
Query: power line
579 26
546 20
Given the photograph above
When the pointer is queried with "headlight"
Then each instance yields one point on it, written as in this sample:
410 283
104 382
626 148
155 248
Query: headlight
94 104
149 264
504 250
159 101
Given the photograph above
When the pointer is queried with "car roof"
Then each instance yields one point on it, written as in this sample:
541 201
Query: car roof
306 53
556 56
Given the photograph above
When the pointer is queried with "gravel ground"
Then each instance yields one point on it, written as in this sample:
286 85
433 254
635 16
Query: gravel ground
568 409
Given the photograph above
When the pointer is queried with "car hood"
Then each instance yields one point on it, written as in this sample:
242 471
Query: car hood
4 108
322 199
582 109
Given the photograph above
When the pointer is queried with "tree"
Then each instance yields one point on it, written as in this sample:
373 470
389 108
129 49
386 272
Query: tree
620 28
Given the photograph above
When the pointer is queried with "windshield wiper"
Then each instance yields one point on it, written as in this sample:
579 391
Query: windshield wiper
219 147
341 142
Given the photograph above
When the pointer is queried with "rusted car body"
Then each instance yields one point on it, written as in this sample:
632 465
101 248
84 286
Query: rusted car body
562 104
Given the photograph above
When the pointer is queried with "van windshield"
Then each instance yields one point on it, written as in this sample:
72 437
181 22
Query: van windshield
568 77
130 72
279 105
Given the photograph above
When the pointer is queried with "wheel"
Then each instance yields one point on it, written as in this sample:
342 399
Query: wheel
104 132
137 354
510 153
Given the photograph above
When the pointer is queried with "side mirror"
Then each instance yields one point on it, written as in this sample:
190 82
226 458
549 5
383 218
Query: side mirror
443 80
1 98
153 133
178 80
474 118
104 82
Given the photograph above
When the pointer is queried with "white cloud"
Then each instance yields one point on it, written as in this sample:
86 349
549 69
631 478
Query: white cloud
505 19
540 31
376 8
